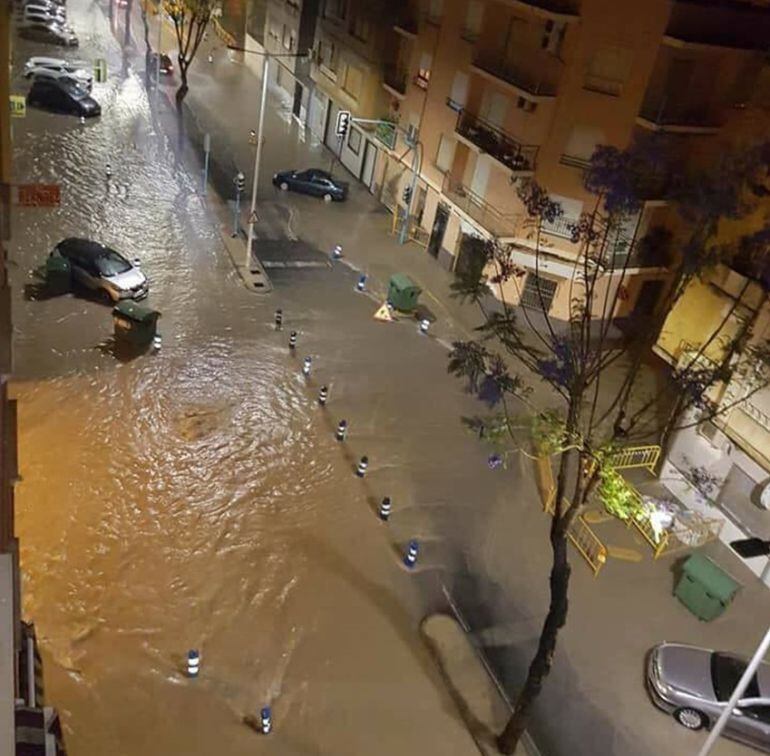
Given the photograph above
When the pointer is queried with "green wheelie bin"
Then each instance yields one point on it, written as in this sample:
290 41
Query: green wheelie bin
403 293
705 588
134 324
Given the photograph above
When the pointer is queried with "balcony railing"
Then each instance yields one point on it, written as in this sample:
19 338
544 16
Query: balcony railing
672 111
560 226
497 143
395 79
538 77
497 223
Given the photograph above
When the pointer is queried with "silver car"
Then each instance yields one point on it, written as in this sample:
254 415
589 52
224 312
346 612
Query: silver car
99 267
40 66
694 684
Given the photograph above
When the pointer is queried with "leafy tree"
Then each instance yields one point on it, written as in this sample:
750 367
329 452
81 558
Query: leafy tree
596 382
191 18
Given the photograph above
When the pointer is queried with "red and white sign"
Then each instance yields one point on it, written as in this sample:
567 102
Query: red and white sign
38 195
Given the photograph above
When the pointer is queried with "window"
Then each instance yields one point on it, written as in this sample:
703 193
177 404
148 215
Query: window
553 34
446 153
473 19
528 106
353 80
360 27
435 11
562 225
287 38
608 70
423 73
581 144
336 9
538 292
327 55
354 141
761 713
459 93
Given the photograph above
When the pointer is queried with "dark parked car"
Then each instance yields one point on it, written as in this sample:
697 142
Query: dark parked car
53 34
63 96
693 684
314 181
99 267
166 66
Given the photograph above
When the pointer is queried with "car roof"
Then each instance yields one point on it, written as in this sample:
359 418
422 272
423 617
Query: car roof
42 60
85 247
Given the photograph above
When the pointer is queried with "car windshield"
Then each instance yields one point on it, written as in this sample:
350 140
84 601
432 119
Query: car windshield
726 671
72 87
111 263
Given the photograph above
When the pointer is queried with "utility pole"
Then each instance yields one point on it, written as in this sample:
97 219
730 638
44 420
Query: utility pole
257 160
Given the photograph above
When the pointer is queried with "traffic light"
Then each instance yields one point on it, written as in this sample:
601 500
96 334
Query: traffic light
407 194
240 182
343 121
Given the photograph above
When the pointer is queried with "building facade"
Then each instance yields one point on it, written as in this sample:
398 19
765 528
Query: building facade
486 92
731 452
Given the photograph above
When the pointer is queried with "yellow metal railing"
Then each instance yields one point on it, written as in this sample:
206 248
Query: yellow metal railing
580 533
635 456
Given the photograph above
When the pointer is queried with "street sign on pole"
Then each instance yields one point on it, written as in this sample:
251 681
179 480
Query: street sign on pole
100 70
18 106
343 122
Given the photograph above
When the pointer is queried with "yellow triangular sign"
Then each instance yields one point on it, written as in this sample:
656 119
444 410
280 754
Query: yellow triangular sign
384 314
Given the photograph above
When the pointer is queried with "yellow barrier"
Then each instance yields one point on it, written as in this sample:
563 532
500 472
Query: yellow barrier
580 533
635 456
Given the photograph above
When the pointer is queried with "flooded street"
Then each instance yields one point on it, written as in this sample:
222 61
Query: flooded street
197 498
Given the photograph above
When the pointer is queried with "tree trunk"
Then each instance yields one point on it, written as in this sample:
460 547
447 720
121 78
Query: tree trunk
557 610
541 664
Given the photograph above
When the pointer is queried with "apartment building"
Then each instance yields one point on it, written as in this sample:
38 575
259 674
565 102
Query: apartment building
351 48
289 31
488 92
731 453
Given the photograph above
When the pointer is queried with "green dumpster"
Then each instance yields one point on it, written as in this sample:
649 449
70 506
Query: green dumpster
403 292
133 323
57 274
704 588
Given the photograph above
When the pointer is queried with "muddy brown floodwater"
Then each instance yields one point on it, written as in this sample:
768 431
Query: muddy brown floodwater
196 498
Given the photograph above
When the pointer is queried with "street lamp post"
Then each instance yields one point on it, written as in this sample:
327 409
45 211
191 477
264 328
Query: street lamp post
157 52
257 160
740 689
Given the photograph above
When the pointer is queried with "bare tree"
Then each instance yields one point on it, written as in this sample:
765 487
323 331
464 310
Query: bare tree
595 376
191 18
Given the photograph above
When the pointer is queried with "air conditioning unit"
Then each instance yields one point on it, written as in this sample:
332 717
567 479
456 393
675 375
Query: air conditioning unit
715 437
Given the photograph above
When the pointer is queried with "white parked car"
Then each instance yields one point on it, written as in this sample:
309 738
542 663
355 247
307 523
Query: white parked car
41 67
50 9
43 16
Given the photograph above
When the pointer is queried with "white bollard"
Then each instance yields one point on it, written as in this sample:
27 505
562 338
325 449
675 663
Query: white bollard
342 430
306 364
193 663
337 252
157 342
278 319
362 466
108 170
323 395
385 509
424 326
293 340
361 285
410 558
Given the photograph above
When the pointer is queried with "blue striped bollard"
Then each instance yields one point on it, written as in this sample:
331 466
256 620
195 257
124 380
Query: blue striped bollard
267 722
362 465
361 285
337 251
342 430
306 364
410 558
424 325
193 663
293 340
385 509
278 319
323 395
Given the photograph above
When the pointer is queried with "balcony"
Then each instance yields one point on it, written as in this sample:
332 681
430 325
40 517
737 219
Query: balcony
694 25
672 113
394 81
407 25
562 10
561 226
537 78
492 141
495 222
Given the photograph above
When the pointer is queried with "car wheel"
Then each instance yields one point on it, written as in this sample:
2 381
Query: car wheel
327 197
692 719
284 186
